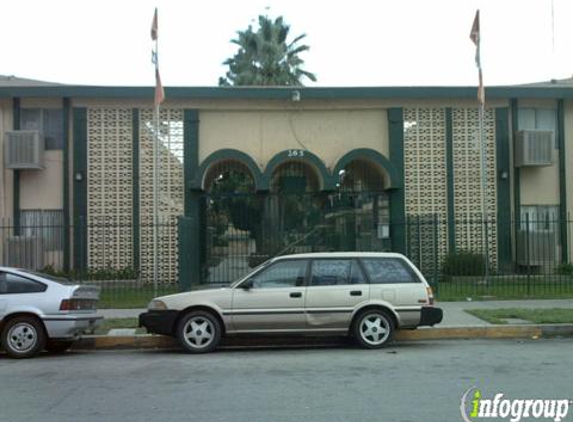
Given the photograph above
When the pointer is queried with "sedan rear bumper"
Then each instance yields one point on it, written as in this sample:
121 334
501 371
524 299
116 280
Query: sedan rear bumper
431 316
159 322
70 326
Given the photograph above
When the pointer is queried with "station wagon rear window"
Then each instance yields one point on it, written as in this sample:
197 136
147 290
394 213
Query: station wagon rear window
389 271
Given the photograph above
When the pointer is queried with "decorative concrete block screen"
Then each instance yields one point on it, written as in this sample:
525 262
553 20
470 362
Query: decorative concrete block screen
425 184
171 192
468 192
109 188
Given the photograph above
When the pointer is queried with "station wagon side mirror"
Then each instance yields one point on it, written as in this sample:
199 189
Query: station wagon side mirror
247 285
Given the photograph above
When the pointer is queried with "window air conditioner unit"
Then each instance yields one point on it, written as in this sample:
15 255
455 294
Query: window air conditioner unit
534 148
26 252
24 150
536 248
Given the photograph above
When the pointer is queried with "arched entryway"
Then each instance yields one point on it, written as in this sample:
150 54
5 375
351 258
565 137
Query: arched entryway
363 206
231 212
296 205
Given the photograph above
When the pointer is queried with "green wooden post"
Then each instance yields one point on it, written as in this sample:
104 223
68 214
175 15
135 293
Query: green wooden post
80 187
397 199
189 226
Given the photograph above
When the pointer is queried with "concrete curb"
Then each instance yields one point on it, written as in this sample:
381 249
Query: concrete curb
147 341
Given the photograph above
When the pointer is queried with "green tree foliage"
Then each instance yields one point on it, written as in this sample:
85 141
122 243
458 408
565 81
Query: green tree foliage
266 58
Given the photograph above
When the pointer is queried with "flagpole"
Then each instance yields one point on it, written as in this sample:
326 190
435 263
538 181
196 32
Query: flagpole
475 36
485 231
156 163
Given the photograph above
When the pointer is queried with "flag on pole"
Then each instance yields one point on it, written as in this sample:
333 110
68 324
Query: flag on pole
154 26
159 92
475 37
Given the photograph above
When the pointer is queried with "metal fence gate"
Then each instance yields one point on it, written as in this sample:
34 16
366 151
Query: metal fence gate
245 229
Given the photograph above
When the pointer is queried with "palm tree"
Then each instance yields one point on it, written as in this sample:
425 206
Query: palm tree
265 57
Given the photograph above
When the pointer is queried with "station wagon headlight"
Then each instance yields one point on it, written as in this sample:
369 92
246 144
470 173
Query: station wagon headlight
156 305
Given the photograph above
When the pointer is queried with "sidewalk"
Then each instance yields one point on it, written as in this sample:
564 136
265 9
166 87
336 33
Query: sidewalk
457 324
454 314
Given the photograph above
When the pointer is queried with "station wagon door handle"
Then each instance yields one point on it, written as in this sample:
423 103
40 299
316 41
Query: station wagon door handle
296 294
356 293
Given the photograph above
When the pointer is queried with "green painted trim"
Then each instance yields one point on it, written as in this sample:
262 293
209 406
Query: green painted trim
136 229
190 152
285 93
16 173
189 226
328 182
450 181
231 155
516 170
397 197
503 166
80 131
66 181
186 228
374 156
562 180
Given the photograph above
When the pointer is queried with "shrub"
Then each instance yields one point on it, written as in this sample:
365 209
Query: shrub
107 273
464 263
564 269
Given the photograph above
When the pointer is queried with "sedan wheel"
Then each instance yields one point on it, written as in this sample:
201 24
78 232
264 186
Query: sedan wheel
23 337
199 332
373 329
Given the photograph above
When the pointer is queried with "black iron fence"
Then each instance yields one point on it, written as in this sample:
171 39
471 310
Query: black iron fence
117 258
534 261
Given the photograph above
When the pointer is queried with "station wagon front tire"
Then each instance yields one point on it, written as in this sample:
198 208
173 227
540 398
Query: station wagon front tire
373 329
199 332
23 337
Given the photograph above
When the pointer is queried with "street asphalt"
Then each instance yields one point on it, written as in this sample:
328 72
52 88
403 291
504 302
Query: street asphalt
406 382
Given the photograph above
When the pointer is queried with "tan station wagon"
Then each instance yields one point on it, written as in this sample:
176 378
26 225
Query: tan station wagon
365 295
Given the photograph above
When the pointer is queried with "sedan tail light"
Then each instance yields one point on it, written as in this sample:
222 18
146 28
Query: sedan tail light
78 305
430 295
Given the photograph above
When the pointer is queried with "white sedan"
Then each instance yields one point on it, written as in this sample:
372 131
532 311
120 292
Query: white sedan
38 311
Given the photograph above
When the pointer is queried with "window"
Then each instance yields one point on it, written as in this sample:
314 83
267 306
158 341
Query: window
45 224
538 119
48 121
333 272
282 274
11 284
389 270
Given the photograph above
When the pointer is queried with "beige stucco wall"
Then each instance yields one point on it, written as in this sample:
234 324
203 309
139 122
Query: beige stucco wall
262 134
6 176
42 189
540 185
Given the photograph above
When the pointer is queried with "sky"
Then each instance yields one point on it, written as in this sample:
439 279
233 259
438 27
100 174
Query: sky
352 43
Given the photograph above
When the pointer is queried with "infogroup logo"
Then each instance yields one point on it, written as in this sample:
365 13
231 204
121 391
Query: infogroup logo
474 407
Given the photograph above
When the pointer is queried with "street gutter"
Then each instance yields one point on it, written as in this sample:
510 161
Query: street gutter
521 331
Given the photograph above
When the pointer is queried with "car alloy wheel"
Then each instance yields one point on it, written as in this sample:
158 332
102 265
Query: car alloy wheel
374 329
23 337
199 332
